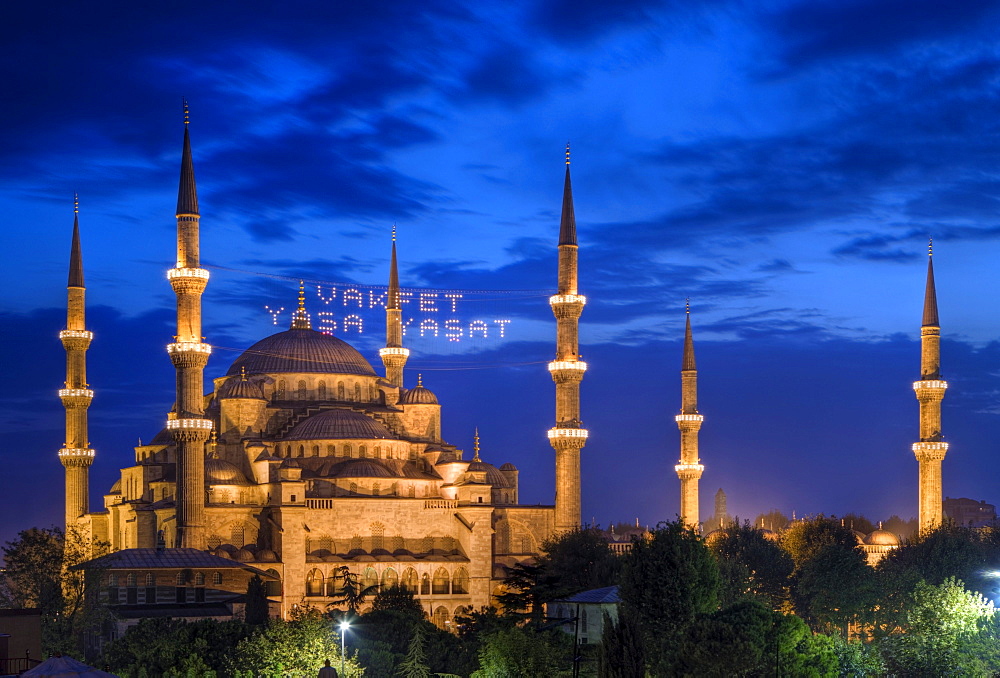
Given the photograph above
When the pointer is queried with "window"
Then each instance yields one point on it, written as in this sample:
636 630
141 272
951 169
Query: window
302 390
280 391
425 585
131 590
181 578
378 534
217 579
314 583
330 450
321 390
375 489
460 584
315 450
370 578
441 585
199 579
357 392
411 582
238 536
150 588
389 578
302 450
341 392
378 452
363 451
348 451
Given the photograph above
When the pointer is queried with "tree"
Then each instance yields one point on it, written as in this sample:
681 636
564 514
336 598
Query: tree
519 652
257 610
667 581
415 663
947 629
751 565
351 593
858 523
173 647
41 572
620 654
398 597
773 520
294 648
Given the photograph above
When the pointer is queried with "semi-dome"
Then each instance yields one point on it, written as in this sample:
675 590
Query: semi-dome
418 395
882 537
301 350
220 472
337 425
241 387
363 468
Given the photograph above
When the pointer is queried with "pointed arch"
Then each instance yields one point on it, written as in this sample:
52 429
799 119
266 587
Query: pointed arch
369 578
314 583
411 581
460 582
441 584
389 578
321 390
425 585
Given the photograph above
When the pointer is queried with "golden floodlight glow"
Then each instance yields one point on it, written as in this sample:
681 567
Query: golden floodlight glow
917 447
930 383
189 347
393 350
75 392
76 334
568 433
567 365
180 272
679 468
179 424
567 299
689 417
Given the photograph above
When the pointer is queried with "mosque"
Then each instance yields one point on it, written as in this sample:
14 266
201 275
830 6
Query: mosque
302 460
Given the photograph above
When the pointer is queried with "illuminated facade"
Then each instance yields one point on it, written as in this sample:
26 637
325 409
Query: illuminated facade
929 389
302 460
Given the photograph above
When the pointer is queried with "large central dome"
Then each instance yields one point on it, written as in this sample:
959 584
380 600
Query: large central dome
301 350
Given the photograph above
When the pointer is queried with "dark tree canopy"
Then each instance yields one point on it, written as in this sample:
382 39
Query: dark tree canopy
752 566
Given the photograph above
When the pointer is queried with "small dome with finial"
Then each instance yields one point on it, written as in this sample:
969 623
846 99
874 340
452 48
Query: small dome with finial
241 387
419 395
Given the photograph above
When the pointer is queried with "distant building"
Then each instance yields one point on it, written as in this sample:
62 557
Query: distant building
584 613
969 512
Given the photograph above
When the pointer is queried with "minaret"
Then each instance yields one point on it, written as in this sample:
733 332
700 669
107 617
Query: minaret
930 390
76 454
189 354
393 355
689 422
568 435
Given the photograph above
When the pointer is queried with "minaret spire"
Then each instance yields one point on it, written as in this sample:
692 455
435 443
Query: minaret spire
475 446
394 355
300 319
689 468
76 455
189 354
568 436
931 449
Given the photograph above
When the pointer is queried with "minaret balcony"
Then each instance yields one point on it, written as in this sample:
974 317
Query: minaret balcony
189 347
76 334
189 424
76 393
175 273
568 433
689 417
930 451
935 384
394 351
567 365
567 299
76 453
689 471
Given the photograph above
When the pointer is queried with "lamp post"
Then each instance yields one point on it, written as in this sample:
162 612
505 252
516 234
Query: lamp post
343 633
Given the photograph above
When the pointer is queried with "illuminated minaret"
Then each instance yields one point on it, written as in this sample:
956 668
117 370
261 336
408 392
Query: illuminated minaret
930 390
689 422
568 436
393 355
76 454
189 354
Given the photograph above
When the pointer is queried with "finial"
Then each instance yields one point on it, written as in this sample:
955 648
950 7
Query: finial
930 247
475 446
243 372
187 113
76 202
687 306
302 295
394 232
420 380
300 319
567 152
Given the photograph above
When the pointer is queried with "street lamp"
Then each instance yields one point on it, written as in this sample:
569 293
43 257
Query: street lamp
343 632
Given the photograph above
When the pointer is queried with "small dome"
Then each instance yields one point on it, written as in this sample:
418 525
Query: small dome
882 537
337 425
508 467
267 556
241 387
245 555
301 350
714 536
493 475
362 468
222 553
116 488
290 463
859 536
419 396
219 472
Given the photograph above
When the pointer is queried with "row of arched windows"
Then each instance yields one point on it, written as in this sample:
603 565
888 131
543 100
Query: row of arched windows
346 450
442 583
341 391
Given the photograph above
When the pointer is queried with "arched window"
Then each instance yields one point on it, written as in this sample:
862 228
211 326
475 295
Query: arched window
460 583
425 585
314 583
217 579
315 450
348 450
389 578
378 534
326 543
369 578
302 390
330 450
441 583
321 390
362 451
441 618
280 391
357 392
302 451
583 619
526 544
378 452
130 580
199 579
334 583
341 391
150 579
413 490
238 536
181 578
375 489
411 582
